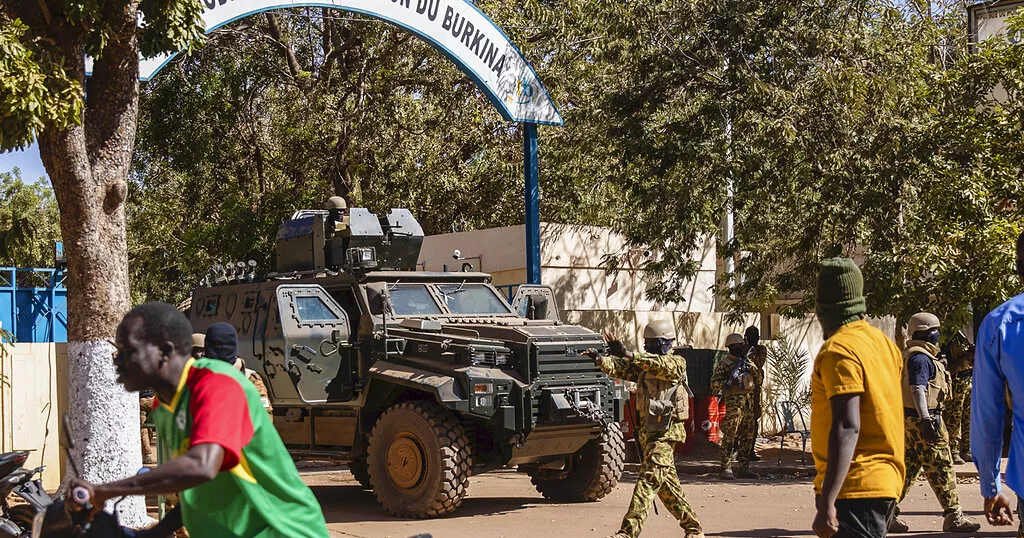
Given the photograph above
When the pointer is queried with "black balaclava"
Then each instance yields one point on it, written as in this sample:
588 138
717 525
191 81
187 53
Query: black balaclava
752 335
222 342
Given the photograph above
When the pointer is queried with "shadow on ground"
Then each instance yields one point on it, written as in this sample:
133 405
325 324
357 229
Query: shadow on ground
353 504
783 533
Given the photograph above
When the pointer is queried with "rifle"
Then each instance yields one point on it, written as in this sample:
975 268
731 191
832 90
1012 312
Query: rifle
741 365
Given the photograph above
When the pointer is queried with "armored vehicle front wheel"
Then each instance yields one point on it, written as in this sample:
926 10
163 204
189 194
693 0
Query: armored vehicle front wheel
419 460
360 469
594 470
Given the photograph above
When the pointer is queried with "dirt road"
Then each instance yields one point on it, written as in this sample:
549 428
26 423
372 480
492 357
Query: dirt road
505 505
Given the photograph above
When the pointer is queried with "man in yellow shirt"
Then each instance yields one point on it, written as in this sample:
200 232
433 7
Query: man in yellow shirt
857 432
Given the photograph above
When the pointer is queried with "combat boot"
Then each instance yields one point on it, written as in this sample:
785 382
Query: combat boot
748 474
694 534
727 474
897 525
958 522
958 460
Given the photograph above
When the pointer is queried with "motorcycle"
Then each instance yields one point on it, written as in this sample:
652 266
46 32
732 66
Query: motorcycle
16 521
74 519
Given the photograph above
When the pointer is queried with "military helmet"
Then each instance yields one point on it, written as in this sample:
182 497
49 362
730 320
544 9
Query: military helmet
733 339
198 340
922 321
660 328
335 202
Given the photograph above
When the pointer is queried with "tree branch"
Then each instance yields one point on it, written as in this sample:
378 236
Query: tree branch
289 54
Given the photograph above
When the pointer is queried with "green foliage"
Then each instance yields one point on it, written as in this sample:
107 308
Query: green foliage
41 54
32 92
844 126
232 140
29 222
787 371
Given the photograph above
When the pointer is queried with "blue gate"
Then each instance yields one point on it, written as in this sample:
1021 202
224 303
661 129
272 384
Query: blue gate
34 304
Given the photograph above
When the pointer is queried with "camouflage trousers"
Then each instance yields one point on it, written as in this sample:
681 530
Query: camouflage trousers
958 416
935 460
737 428
657 477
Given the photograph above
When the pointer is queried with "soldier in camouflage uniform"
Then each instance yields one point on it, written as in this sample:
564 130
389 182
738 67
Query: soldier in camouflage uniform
758 357
654 370
926 386
957 415
737 427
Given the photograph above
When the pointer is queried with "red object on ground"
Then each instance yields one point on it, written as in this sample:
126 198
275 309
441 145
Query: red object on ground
709 415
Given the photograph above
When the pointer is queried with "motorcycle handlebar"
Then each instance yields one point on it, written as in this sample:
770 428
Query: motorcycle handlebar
80 496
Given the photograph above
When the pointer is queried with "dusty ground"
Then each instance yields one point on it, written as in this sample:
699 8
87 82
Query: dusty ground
504 505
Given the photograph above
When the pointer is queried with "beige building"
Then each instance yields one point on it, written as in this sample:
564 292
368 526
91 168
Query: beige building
572 260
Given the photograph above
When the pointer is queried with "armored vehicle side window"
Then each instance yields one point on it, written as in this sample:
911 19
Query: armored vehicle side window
413 301
312 309
472 299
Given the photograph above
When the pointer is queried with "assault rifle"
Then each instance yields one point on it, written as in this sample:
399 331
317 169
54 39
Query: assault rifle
741 367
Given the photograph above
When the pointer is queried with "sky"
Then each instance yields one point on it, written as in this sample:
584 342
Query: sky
27 160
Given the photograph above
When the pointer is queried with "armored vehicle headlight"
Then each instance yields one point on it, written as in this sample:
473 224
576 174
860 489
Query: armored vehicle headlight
502 358
483 388
483 401
362 257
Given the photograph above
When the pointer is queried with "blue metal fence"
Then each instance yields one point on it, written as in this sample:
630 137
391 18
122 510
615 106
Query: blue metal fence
33 304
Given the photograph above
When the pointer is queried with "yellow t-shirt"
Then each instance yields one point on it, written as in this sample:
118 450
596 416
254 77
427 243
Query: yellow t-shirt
860 359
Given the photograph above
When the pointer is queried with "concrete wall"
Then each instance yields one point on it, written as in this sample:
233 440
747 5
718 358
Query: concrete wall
31 401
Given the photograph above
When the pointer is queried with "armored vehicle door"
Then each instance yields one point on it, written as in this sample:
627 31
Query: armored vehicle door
315 330
533 301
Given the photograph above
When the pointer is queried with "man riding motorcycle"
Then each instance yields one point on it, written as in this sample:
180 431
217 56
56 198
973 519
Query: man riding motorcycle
218 446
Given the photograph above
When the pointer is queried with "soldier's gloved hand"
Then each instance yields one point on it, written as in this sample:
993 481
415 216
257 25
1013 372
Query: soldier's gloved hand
930 429
616 348
592 353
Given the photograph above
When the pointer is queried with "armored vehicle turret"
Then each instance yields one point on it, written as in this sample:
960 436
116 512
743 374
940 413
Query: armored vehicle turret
417 379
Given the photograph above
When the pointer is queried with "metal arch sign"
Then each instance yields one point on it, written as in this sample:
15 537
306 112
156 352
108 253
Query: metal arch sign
456 28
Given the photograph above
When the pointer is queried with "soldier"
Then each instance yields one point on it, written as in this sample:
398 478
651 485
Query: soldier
198 345
926 386
222 340
758 355
734 380
257 380
661 378
148 435
958 414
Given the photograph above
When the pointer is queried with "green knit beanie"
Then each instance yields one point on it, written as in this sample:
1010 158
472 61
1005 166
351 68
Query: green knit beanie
840 293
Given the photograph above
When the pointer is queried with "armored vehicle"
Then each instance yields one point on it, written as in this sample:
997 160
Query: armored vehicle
417 379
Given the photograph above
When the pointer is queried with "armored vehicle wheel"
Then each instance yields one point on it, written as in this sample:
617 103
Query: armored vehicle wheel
360 470
419 460
595 470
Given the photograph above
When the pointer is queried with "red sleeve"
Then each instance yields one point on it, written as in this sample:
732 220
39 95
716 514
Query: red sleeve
220 414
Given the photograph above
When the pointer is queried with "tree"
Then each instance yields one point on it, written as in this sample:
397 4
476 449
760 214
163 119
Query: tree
844 128
310 103
85 142
29 221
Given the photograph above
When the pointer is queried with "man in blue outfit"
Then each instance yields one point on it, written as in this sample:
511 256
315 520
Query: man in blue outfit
998 372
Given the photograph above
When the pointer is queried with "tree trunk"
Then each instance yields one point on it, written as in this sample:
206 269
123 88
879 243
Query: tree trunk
88 166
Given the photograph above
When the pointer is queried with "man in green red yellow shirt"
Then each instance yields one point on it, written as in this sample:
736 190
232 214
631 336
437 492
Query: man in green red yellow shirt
219 448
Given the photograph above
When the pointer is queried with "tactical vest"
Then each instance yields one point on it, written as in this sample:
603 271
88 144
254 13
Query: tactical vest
662 402
938 388
745 382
